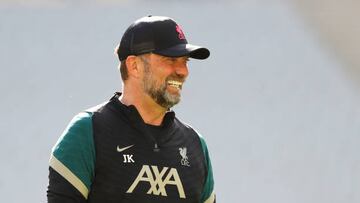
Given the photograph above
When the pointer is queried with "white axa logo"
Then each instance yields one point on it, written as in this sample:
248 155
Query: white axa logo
184 160
157 183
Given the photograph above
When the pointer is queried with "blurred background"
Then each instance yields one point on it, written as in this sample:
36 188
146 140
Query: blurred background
278 101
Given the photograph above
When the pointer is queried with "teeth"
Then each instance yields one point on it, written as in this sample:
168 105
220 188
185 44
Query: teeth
175 84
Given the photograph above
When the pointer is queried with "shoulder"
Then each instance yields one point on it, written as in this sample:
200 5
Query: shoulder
184 126
187 127
78 128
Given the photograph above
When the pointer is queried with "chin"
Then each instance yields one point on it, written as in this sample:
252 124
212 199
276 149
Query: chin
172 98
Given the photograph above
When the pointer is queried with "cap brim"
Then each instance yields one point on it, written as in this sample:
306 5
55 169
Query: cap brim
190 50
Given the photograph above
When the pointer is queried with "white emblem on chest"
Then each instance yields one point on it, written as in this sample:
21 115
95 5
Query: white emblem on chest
184 159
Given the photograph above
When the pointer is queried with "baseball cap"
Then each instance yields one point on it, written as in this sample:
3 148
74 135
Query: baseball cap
160 35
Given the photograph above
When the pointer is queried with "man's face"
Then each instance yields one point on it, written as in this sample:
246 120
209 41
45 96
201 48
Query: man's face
163 78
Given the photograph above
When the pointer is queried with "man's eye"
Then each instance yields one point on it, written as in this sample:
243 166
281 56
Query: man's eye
176 59
170 60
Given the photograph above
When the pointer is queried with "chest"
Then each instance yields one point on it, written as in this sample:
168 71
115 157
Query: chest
128 167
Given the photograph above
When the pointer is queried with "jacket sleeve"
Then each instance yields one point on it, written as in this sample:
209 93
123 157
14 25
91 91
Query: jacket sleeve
72 162
61 191
208 194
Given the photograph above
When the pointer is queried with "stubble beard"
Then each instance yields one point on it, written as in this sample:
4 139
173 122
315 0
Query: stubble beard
159 93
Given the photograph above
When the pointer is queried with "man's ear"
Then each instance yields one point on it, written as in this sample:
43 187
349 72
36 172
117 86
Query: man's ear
133 66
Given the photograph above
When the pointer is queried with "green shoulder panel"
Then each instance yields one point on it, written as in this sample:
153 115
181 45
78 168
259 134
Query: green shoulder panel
208 194
73 155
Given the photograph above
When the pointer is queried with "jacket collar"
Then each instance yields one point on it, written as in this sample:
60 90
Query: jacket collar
132 114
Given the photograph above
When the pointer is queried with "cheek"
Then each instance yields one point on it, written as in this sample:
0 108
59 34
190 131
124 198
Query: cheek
156 79
161 75
160 72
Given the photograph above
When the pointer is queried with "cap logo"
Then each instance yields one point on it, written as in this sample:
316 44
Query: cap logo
181 33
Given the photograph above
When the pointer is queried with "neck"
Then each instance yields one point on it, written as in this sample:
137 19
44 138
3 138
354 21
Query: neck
151 112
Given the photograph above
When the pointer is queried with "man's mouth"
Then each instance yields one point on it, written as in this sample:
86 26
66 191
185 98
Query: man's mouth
175 84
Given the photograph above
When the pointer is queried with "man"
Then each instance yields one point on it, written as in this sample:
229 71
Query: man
133 148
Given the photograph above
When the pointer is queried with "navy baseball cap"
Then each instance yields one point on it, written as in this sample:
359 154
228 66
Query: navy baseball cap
160 35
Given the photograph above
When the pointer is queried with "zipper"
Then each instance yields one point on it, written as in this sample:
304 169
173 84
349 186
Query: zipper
156 147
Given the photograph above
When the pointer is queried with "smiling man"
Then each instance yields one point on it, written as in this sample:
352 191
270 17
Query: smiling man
133 149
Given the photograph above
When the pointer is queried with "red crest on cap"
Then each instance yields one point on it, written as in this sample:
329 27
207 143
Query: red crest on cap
181 33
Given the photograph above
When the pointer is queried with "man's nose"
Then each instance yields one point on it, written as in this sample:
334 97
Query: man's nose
182 69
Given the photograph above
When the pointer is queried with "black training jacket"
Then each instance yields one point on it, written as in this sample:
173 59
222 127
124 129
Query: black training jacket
107 154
